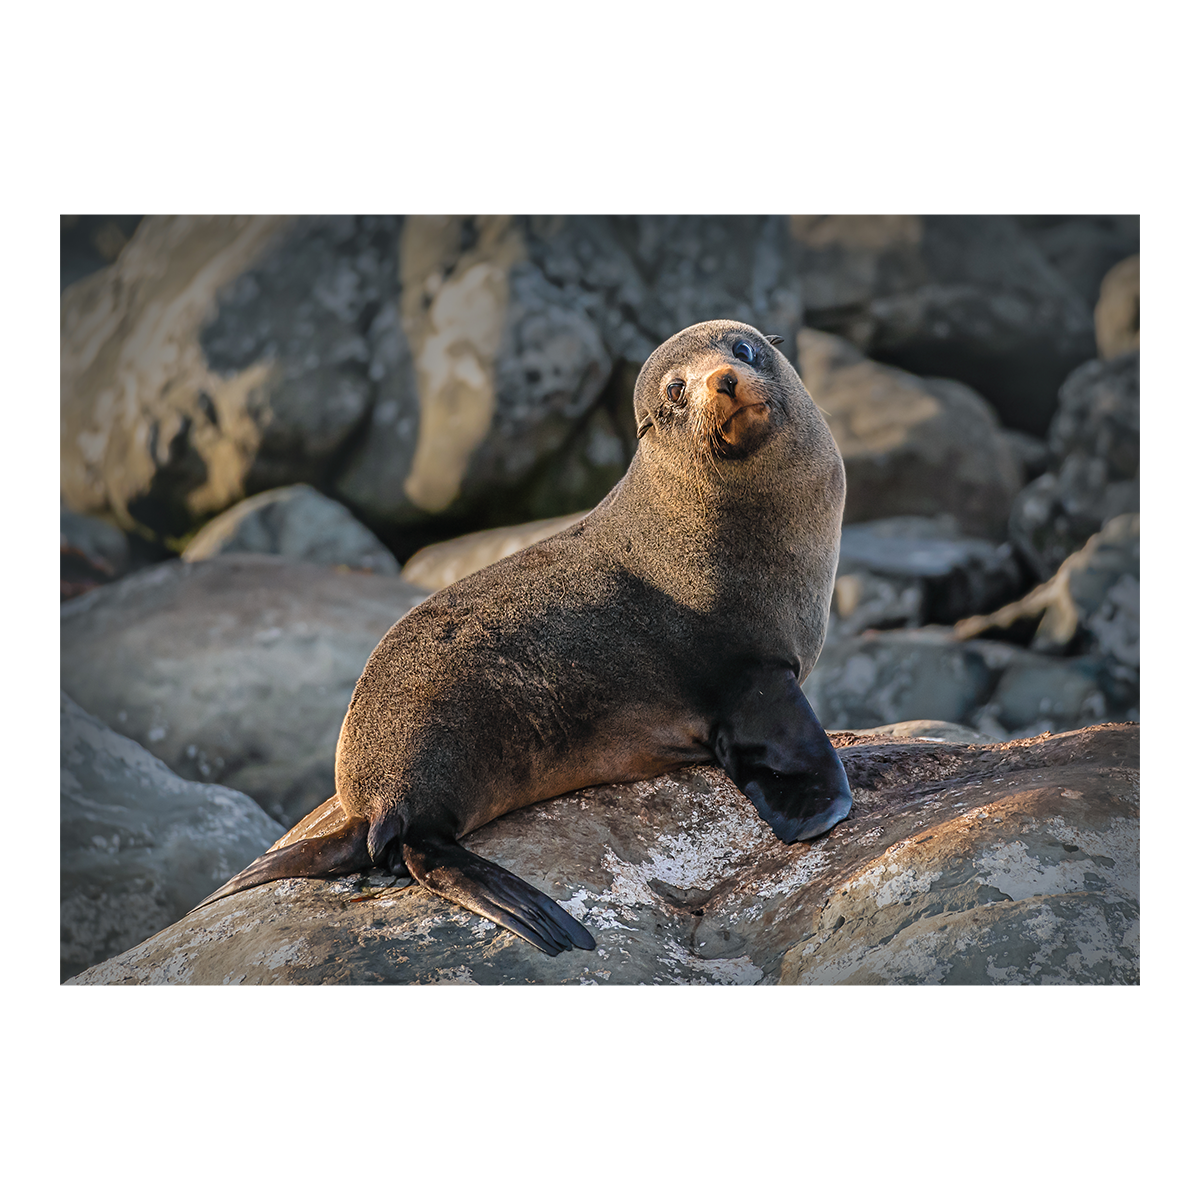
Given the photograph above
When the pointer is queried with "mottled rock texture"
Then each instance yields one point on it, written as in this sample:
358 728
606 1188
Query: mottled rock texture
422 369
1001 689
972 298
294 522
1095 443
139 846
235 670
912 571
1008 864
1092 601
912 447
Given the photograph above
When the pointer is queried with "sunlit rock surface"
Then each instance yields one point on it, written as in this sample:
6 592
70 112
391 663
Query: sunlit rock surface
1012 863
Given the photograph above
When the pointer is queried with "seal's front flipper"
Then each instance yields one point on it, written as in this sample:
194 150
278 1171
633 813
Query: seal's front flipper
773 747
337 853
453 873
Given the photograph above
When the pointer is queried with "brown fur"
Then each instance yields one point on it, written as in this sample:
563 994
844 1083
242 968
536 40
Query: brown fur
605 653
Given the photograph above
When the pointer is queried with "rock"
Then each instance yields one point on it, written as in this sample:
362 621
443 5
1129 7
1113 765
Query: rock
151 432
443 563
504 364
422 369
295 522
643 278
1083 249
90 243
1118 310
1032 454
526 334
919 731
1095 441
911 446
958 864
1048 695
235 670
881 678
912 571
1091 602
91 552
139 846
972 298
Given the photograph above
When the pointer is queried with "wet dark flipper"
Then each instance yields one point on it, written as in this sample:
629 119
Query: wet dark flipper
455 874
337 853
774 748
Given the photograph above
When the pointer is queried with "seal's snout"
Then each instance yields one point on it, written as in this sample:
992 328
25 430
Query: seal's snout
733 399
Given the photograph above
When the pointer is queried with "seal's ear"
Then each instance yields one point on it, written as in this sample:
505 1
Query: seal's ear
644 427
774 339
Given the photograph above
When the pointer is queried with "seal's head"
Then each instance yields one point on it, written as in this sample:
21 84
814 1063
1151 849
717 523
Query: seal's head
720 392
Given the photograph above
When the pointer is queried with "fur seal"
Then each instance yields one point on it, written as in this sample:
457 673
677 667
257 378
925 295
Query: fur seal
673 624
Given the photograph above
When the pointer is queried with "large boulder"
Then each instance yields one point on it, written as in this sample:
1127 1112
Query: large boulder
138 845
296 522
912 447
972 298
447 370
1005 864
1095 444
235 670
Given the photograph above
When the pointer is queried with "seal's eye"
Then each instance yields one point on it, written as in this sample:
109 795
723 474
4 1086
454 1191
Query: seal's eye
744 351
675 390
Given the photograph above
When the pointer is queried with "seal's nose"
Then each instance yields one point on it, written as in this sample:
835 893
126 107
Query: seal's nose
720 385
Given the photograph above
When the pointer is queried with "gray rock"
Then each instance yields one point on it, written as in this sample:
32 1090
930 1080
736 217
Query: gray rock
972 298
643 278
1095 441
958 864
294 522
525 335
1095 592
1032 453
1084 248
911 446
103 543
138 845
1047 695
91 552
913 571
236 670
881 678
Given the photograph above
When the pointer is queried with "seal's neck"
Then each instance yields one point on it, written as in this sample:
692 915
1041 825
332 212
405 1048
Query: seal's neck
752 534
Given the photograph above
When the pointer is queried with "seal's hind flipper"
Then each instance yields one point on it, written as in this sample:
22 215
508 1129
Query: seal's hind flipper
450 871
773 747
337 853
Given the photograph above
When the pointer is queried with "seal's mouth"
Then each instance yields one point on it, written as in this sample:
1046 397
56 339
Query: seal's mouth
742 420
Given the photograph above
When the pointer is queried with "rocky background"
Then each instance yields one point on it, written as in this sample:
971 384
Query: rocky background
278 434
